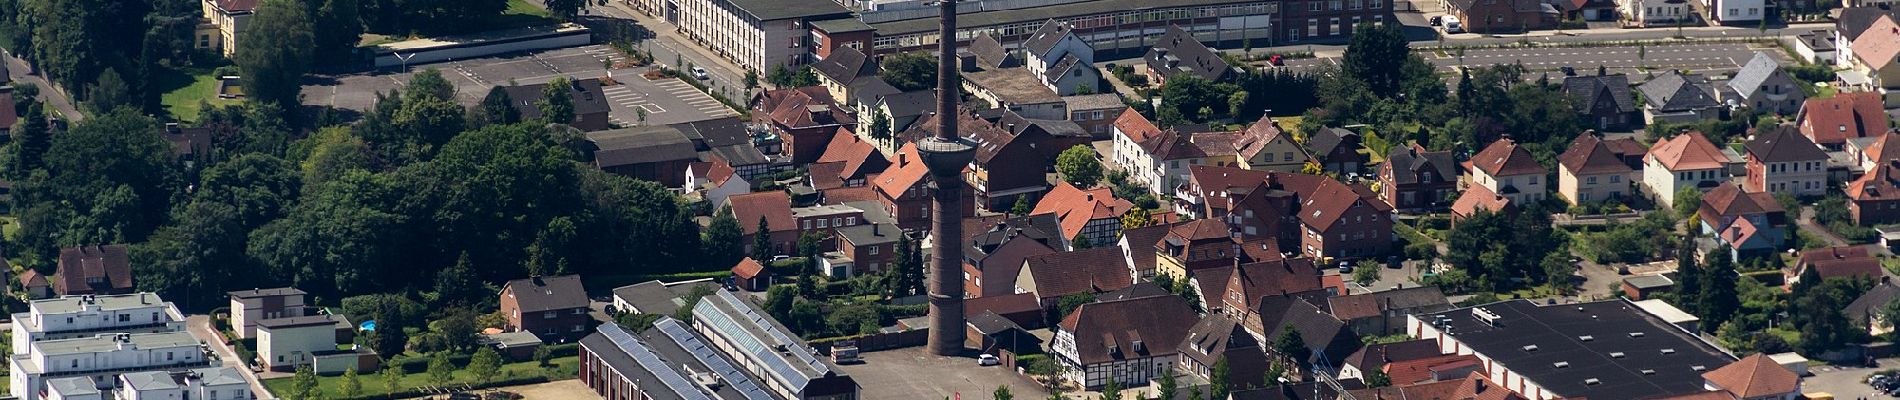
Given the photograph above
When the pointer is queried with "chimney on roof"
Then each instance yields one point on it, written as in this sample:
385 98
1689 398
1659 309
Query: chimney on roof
903 159
874 230
536 279
1089 197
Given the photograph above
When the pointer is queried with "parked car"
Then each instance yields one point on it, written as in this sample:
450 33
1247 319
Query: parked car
987 360
1438 20
700 74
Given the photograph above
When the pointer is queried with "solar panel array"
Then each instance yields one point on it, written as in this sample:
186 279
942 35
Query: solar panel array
766 353
651 361
736 380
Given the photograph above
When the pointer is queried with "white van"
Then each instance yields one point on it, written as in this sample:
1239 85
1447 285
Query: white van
1453 25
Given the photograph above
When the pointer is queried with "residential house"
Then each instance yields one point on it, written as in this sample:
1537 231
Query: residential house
88 315
553 308
824 220
1335 220
1676 98
1217 338
1847 262
1877 55
1477 198
1374 357
1414 179
1748 223
102 358
1687 160
1591 170
1123 341
34 285
1382 313
994 258
286 344
1869 309
590 103
1208 189
1013 154
201 383
904 190
1755 377
220 24
1138 249
1816 46
1164 160
1500 16
750 275
1019 308
248 307
871 247
1763 85
855 159
93 270
1852 22
1602 101
1507 169
1093 215
1177 52
189 144
1326 337
1248 284
774 208
805 118
1264 146
844 71
728 140
1874 198
1337 150
1195 245
1781 160
1065 63
993 74
1653 13
656 153
1130 130
715 181
1096 113
1737 12
1054 275
900 111
1830 122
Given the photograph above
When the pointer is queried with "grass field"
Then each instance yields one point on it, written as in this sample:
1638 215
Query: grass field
183 89
331 387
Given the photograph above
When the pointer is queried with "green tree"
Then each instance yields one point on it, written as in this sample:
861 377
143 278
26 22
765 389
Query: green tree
909 71
1717 302
1079 166
1688 274
1137 218
1687 201
567 9
485 364
274 52
762 243
1081 242
784 77
1374 56
352 385
880 126
1022 207
1195 394
779 301
1291 347
392 379
496 109
1002 393
1113 390
1217 380
1166 384
111 91
342 24
31 139
543 357
1378 379
723 240
441 372
304 384
751 79
557 103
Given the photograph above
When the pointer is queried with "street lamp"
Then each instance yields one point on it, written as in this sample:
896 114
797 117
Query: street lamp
404 59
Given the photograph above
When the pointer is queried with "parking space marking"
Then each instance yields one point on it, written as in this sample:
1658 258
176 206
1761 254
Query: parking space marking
653 108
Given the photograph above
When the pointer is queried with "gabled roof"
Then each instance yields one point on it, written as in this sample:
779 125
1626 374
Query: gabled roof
1375 304
1870 304
1129 329
1258 135
1373 357
1422 370
1750 78
1783 143
909 104
1833 120
1327 202
1505 157
1272 278
854 152
1881 183
1327 336
1213 336
640 145
1855 20
551 293
1141 244
1589 155
1688 151
905 172
1416 159
1477 197
774 206
1754 376
1841 262
846 65
1329 139
1586 90
1674 91
800 109
1093 270
1879 45
1136 127
586 94
991 53
80 266
1061 68
1047 37
1076 207
1178 52
748 268
1885 147
1730 200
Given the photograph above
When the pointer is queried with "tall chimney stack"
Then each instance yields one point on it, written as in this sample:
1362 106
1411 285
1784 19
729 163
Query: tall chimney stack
945 154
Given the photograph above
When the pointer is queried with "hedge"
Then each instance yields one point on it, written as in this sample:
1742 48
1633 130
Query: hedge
420 364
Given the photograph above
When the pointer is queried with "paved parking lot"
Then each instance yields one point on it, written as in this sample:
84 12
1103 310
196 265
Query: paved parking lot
912 373
666 101
1845 382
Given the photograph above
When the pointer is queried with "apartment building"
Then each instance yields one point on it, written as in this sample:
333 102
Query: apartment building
756 34
250 306
82 316
104 356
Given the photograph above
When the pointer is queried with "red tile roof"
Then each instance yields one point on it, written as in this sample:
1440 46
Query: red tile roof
849 194
1478 198
1753 377
1831 121
825 175
774 206
1093 270
904 173
748 268
1506 158
1257 136
79 265
1076 207
1730 200
1841 262
1881 183
853 151
719 172
1686 152
237 5
1422 370
1590 155
1135 126
1272 278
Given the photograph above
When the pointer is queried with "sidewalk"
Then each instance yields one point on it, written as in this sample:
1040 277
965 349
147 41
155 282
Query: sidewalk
63 106
200 326
662 29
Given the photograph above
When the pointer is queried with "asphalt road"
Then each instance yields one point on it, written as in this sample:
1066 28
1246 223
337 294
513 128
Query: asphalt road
670 48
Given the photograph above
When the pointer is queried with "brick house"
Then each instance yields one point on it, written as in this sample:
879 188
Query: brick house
1415 179
1780 160
553 308
872 247
1311 214
1849 262
1178 53
1094 214
804 118
776 209
1499 16
1013 154
93 270
856 161
1745 222
1331 21
750 275
1874 198
994 257
904 190
1250 282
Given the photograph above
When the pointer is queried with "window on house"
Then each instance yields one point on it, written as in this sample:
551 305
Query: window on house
874 250
1591 180
549 315
125 317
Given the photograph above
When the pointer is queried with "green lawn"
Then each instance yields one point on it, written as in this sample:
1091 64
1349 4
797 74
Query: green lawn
184 89
525 8
331 387
519 14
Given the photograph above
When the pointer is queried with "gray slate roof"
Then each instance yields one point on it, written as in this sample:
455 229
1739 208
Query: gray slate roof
1440 163
1871 303
1046 37
638 145
1193 56
769 10
1854 20
1585 90
549 293
1750 78
586 93
910 104
1677 92
846 65
991 52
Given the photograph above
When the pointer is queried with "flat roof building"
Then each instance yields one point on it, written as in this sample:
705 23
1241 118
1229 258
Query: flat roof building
80 316
1601 350
103 358
761 346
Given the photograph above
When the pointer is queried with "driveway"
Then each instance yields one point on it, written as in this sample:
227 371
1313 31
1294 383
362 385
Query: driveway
200 327
1806 222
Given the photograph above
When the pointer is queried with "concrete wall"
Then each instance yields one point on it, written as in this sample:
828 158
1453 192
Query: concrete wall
451 51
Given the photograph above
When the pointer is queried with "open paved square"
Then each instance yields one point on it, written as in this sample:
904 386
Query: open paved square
912 373
666 101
